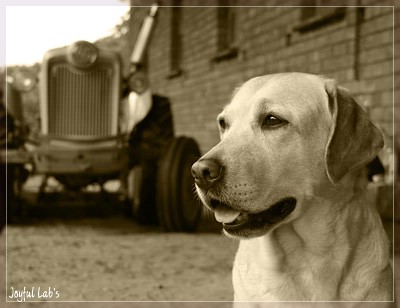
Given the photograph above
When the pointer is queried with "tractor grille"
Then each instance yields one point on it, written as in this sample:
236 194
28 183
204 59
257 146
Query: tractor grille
80 102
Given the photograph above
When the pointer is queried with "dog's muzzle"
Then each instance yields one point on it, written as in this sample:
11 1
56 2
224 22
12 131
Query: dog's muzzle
207 173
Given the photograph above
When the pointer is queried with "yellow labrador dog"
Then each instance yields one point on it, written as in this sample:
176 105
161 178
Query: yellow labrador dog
288 180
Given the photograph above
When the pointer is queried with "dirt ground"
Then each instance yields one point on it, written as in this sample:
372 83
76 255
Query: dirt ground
114 259
108 261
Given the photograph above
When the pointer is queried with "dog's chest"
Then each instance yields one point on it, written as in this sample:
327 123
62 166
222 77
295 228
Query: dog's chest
262 273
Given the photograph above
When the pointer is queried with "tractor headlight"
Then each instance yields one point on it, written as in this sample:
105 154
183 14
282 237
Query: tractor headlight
138 82
23 80
82 54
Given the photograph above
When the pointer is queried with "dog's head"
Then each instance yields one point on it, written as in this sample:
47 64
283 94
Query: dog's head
284 138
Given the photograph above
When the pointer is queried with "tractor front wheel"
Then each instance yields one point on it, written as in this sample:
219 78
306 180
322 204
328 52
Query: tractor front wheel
141 192
16 177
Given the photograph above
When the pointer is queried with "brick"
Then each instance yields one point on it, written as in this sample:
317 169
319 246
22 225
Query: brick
371 12
340 49
380 53
381 114
383 83
332 64
383 98
377 70
377 24
359 86
376 39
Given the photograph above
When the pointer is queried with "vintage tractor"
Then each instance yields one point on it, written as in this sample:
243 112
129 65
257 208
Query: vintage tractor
95 126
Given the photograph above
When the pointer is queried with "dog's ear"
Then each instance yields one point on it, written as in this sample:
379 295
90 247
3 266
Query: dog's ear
353 139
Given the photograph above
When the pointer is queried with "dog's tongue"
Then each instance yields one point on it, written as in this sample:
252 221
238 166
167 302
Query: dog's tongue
225 214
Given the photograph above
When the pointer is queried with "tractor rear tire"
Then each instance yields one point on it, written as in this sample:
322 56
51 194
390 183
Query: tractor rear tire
179 210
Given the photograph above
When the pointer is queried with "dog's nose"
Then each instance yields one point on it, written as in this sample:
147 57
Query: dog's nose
206 172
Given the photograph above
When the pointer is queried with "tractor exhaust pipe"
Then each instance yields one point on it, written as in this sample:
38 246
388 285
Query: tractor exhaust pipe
143 37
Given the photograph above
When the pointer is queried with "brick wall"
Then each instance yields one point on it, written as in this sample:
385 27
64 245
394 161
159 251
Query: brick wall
356 50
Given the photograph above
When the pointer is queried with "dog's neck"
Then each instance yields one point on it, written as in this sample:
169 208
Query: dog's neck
323 243
341 212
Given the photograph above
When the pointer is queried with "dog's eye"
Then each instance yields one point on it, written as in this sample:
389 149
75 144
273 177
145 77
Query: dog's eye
271 121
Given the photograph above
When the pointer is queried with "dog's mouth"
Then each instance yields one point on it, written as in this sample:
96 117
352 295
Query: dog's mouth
241 223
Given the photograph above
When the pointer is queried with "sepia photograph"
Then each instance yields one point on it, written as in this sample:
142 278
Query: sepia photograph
199 153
